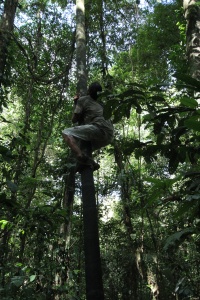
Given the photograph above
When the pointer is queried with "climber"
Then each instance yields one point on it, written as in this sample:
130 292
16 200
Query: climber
92 126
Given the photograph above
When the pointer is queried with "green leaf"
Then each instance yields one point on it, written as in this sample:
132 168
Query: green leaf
32 278
188 80
17 280
153 180
189 102
109 108
185 207
193 123
5 121
157 98
6 153
3 223
119 114
164 183
131 93
178 132
18 264
3 150
6 201
177 238
12 186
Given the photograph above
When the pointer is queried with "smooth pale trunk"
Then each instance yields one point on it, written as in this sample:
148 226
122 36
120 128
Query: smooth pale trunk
192 15
81 48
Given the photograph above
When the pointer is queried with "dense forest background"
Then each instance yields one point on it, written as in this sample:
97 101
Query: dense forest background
145 54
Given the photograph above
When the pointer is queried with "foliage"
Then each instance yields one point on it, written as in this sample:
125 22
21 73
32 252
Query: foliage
171 118
148 184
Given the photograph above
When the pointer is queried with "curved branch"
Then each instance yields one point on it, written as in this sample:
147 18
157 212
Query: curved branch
39 78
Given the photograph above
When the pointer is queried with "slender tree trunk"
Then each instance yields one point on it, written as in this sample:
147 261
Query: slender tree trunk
133 274
6 28
103 40
4 250
192 15
93 273
81 48
68 198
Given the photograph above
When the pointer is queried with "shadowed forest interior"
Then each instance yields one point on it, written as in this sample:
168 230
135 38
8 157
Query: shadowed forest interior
146 56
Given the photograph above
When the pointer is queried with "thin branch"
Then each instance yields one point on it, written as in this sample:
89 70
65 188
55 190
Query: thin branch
38 78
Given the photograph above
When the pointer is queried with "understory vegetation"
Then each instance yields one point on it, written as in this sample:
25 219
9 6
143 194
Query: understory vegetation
148 186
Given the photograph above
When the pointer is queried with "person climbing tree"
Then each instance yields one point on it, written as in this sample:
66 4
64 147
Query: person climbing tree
92 126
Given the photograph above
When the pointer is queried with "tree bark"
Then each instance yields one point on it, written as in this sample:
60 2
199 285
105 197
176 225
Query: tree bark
103 40
6 28
93 272
81 48
192 15
133 274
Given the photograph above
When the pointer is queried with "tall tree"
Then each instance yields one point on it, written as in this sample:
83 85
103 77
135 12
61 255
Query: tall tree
6 29
150 244
93 273
81 48
192 15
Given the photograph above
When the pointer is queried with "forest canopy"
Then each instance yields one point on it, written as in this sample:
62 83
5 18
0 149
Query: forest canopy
146 56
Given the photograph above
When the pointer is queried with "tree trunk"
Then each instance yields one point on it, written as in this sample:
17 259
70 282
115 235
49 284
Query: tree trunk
93 273
81 48
192 15
133 274
6 28
103 40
